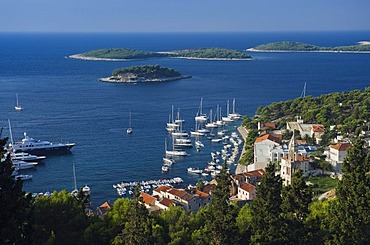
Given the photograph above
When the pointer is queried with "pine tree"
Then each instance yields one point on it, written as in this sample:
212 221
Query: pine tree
350 216
15 204
138 228
220 226
295 207
267 224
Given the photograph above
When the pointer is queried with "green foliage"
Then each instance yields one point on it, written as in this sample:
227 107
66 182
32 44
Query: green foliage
58 217
122 53
244 222
248 156
298 46
267 225
295 203
220 215
350 219
15 205
322 184
137 229
148 71
212 53
349 109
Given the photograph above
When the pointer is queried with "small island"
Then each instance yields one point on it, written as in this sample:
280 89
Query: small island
146 73
360 47
121 54
116 54
211 54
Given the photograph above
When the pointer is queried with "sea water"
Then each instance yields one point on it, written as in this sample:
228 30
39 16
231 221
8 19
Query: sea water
64 101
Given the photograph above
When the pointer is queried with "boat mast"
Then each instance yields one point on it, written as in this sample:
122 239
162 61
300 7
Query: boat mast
74 177
10 132
303 94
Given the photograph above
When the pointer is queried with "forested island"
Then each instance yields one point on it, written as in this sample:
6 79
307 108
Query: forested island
146 73
304 47
117 54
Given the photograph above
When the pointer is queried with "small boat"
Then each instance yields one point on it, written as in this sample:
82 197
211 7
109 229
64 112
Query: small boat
200 117
164 168
174 152
24 156
216 140
24 165
205 174
198 143
17 106
23 177
129 129
168 161
195 171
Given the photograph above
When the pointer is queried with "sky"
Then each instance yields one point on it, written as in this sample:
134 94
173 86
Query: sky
183 15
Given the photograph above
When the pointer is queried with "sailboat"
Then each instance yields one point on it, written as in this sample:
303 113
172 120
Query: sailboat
75 191
129 130
200 117
18 107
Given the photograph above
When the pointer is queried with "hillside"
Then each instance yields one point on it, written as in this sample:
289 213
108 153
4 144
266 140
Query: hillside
304 47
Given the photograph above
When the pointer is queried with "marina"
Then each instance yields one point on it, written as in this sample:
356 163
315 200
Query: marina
64 101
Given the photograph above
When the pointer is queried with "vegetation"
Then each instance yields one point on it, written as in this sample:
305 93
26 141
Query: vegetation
204 53
121 53
212 53
348 110
148 71
298 46
322 184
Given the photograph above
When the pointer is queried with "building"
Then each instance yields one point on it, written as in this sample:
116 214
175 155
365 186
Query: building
262 148
293 162
337 153
316 130
246 192
103 209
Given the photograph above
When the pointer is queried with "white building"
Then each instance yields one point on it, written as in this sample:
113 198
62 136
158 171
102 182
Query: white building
293 162
262 151
246 191
337 153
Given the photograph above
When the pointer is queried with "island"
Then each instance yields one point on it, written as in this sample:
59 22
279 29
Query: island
210 54
146 73
121 54
285 46
117 54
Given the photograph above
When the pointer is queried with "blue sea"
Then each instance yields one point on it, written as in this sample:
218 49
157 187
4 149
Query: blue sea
64 101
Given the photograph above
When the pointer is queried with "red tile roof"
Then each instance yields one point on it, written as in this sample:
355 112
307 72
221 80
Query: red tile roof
268 137
106 205
167 202
163 188
341 146
247 187
201 193
181 194
269 125
318 128
147 199
258 173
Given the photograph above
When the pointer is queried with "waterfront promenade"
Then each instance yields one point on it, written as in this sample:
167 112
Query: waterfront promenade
243 132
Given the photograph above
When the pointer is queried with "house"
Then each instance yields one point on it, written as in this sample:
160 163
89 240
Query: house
293 162
246 192
316 130
189 201
103 209
337 153
267 125
262 148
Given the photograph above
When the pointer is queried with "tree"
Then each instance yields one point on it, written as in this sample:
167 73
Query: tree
244 223
177 225
15 204
220 226
295 207
137 229
350 219
267 225
58 218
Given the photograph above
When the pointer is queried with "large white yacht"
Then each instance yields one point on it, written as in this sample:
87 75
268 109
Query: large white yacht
30 145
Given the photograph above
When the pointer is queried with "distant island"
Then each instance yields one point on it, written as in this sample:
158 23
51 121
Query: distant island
363 46
146 73
119 54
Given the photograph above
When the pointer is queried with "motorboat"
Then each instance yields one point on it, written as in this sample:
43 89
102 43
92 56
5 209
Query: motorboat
21 165
30 145
195 171
24 156
165 168
168 161
23 177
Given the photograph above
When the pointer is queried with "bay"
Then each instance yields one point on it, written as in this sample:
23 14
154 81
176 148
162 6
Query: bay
64 101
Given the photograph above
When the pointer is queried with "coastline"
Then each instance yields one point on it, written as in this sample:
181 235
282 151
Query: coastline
308 51
113 79
81 57
240 168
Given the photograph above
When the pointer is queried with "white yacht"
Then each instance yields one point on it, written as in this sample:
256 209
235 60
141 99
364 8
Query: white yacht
24 156
23 176
200 117
30 145
24 165
17 106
